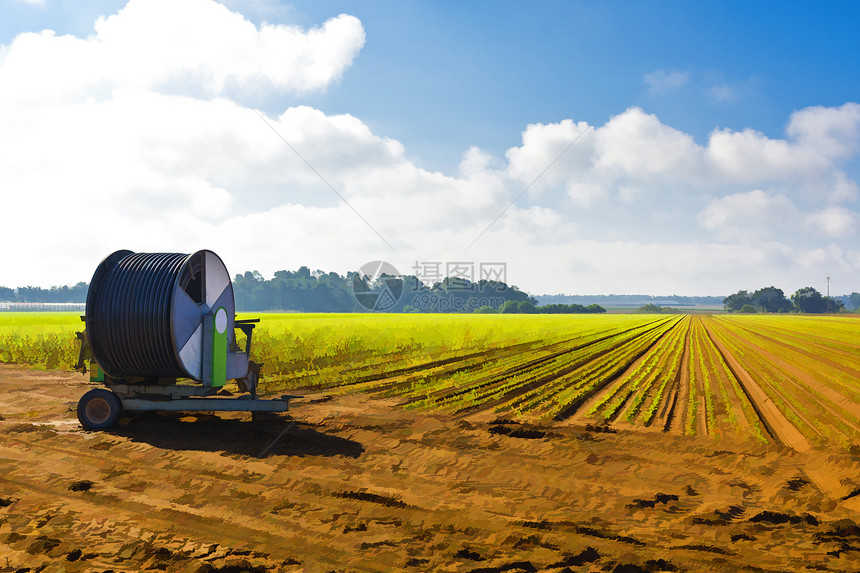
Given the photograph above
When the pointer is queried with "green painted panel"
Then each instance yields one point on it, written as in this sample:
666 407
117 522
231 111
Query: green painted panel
96 373
219 347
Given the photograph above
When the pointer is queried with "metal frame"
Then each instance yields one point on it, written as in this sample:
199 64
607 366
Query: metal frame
164 394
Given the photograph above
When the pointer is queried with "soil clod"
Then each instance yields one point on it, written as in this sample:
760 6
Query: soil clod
81 485
588 555
465 553
385 500
795 484
778 518
663 498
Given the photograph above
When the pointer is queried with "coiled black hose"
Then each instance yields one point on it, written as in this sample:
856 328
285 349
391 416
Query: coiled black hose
129 322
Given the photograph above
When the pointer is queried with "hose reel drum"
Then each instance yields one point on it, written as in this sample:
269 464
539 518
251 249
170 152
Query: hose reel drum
153 318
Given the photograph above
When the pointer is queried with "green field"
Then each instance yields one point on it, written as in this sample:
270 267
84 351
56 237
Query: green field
787 378
40 339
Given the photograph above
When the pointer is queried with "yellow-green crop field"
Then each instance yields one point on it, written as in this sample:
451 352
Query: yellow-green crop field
785 378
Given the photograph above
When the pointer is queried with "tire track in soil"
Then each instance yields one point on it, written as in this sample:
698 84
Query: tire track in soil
173 472
194 522
580 414
774 422
143 515
130 447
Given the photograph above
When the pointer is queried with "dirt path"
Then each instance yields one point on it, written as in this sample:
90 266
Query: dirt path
767 376
774 420
807 385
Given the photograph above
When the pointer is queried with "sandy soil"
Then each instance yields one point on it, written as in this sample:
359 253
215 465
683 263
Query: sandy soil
360 484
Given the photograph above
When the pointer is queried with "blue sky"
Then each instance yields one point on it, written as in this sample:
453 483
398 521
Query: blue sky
719 142
444 76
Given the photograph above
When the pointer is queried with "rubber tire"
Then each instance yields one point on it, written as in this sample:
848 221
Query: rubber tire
111 408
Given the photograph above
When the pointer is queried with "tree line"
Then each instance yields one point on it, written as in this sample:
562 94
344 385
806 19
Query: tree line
629 299
806 299
304 290
55 294
527 307
316 291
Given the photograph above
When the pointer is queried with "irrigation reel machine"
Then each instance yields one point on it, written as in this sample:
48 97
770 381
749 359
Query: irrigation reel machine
161 335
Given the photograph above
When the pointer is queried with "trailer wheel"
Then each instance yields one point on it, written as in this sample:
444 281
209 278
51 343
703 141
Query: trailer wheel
99 409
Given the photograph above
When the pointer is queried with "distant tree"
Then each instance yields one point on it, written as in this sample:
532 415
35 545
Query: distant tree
748 309
735 302
854 301
771 299
77 293
653 309
561 309
485 310
526 307
809 300
834 304
570 309
510 307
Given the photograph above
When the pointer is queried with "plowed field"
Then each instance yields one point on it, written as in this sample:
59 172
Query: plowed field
643 443
358 483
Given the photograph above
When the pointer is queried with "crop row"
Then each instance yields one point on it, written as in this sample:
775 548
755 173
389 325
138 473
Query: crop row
697 375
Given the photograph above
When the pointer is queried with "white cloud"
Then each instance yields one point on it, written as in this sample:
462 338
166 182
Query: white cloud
662 81
167 154
475 161
193 47
751 156
843 189
834 222
831 131
638 145
586 194
546 145
724 93
628 194
751 215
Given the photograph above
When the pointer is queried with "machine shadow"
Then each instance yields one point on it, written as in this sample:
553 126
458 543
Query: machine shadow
262 438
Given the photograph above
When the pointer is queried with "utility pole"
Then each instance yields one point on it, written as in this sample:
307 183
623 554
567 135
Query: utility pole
828 294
